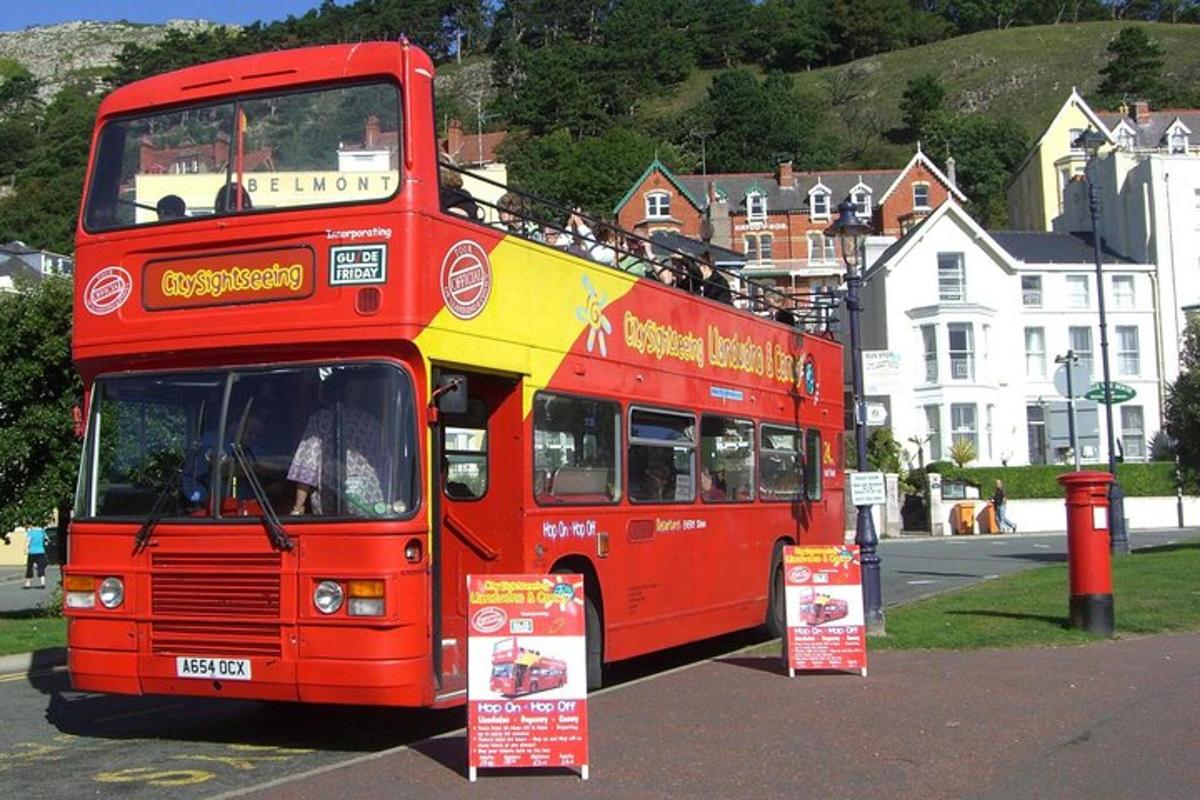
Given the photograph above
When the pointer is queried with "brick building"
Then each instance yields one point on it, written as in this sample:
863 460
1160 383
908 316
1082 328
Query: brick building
778 219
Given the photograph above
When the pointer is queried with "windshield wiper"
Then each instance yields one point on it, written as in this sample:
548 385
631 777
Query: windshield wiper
159 509
270 520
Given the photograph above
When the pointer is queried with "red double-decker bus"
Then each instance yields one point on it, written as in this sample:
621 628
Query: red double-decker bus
518 670
317 401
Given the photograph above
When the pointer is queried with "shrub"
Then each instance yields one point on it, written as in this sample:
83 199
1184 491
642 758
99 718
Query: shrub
1154 479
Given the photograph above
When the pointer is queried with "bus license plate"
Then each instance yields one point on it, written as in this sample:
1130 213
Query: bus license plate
225 669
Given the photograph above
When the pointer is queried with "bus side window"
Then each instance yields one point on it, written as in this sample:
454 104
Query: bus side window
813 468
661 457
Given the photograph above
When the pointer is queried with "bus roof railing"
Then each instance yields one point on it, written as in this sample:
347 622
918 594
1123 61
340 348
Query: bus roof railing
811 311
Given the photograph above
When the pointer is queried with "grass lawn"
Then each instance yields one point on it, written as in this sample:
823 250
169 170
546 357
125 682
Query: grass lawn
1154 591
29 630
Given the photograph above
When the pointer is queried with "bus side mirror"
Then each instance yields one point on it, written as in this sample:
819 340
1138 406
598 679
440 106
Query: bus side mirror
452 393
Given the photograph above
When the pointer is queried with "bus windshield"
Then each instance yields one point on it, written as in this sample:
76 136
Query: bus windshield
311 148
322 441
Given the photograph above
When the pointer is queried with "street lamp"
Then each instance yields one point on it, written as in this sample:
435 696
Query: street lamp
1090 141
850 232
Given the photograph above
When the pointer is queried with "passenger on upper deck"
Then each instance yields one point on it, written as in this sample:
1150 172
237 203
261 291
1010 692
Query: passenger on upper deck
514 218
712 284
454 198
227 200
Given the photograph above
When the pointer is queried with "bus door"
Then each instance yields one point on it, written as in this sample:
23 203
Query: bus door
478 453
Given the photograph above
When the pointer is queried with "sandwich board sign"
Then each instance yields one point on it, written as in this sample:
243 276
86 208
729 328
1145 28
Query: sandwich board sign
826 629
526 672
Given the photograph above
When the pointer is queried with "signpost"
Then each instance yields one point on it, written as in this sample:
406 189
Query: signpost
1120 392
876 413
823 593
526 672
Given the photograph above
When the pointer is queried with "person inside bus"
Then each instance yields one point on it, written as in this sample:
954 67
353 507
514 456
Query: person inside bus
226 199
171 206
656 483
712 284
709 489
315 464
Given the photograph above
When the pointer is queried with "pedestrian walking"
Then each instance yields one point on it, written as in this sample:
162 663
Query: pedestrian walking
35 555
1000 500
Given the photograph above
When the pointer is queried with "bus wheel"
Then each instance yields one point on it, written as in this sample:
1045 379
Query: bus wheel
776 622
595 644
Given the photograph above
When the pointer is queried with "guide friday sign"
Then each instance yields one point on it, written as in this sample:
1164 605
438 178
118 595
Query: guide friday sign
824 608
526 672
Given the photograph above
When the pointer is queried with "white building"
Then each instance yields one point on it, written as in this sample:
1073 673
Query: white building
970 324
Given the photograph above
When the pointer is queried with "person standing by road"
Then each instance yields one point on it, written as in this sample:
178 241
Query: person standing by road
1000 500
35 557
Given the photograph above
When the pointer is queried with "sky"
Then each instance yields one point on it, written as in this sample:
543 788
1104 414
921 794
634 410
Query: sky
18 14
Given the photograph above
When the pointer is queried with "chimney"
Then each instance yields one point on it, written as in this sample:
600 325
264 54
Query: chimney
784 175
1141 112
454 138
951 174
372 137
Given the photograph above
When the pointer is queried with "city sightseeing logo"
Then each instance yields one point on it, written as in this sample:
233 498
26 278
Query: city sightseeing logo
592 312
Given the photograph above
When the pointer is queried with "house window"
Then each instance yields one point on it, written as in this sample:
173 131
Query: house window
933 427
951 278
1081 344
752 248
1122 291
1076 134
963 424
929 342
658 205
991 415
821 249
1035 352
1125 138
962 351
756 206
1035 428
1078 295
1031 291
862 204
820 204
1128 358
921 196
1133 433
765 244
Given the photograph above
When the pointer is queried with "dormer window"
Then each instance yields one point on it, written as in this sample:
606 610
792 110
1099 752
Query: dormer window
820 205
756 206
658 205
1179 142
860 195
921 196
1125 138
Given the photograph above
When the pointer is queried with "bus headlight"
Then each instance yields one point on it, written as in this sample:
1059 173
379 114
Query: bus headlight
112 592
366 599
328 596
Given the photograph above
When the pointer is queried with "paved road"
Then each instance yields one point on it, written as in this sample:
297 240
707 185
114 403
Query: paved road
57 742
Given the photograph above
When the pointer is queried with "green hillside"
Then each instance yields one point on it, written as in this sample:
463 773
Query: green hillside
1022 73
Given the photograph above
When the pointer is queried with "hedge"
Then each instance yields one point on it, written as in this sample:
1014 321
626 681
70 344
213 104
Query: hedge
1152 479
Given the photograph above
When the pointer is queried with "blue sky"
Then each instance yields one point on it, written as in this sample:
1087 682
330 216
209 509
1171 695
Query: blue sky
18 14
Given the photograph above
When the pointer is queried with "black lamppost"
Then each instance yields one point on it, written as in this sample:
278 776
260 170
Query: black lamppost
850 232
1091 141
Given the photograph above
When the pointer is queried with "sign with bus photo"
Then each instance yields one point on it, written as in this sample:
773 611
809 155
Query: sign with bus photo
823 593
527 672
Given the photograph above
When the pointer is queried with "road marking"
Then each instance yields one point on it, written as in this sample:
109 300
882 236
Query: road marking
1042 546
21 676
165 777
919 583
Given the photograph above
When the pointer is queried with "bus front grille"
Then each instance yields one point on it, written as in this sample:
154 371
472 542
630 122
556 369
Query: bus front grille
215 595
214 639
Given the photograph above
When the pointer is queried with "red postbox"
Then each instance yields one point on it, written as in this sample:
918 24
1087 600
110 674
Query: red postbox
1088 551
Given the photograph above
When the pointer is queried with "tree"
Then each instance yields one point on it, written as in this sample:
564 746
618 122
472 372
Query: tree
883 451
962 452
1182 407
39 387
1135 70
986 151
924 97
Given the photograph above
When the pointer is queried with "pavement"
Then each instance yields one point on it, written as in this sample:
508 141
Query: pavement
1115 719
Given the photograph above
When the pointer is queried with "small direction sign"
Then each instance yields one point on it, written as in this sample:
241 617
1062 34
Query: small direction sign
876 413
867 489
1120 392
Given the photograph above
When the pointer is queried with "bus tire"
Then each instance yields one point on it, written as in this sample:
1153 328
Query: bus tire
594 630
775 624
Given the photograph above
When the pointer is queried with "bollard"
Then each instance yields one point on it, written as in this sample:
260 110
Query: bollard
1088 557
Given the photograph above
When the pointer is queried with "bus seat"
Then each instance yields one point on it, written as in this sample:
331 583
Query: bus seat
575 481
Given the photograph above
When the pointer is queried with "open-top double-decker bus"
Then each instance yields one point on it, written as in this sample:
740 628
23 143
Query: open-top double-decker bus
316 402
